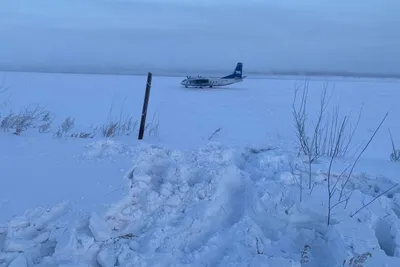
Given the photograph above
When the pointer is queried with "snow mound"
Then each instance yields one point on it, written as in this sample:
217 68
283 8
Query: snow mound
219 206
215 206
31 239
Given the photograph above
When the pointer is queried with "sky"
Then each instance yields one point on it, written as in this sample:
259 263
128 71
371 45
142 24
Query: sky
172 36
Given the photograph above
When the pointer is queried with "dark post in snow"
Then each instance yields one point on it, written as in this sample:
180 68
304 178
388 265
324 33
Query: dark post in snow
145 104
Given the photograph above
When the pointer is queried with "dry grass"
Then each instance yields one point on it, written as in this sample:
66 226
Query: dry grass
395 155
29 117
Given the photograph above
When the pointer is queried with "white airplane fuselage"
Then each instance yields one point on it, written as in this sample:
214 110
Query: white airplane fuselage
200 82
191 82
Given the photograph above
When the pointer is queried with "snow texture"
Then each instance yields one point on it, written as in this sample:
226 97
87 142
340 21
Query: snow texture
31 239
215 206
190 197
184 196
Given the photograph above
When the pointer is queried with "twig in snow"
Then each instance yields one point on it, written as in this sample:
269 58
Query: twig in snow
375 198
214 133
395 155
332 189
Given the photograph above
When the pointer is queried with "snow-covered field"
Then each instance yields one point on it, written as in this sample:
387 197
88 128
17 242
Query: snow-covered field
185 196
219 178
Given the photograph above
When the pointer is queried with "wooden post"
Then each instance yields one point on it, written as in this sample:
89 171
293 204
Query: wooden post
145 105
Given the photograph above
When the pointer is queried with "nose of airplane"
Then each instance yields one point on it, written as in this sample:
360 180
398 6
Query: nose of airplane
183 82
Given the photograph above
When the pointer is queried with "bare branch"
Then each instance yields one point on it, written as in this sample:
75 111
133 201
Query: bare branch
361 153
332 190
214 133
375 198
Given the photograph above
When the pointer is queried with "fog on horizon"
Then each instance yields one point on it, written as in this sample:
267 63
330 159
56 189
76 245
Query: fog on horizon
173 36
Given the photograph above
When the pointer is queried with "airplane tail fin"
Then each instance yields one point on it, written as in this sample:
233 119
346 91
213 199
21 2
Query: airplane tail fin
237 73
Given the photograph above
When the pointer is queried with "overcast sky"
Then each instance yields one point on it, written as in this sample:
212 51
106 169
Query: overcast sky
196 35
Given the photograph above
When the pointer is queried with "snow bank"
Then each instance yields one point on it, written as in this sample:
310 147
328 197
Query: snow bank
31 238
219 206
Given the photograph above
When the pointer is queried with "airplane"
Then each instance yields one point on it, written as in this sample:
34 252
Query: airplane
200 82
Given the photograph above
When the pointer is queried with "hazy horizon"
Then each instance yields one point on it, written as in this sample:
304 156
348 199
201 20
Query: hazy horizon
173 36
